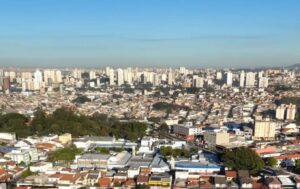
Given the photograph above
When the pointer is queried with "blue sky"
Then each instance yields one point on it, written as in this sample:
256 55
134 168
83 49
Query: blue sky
165 33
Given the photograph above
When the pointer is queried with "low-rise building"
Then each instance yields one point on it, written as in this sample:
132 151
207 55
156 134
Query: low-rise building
212 139
187 130
91 161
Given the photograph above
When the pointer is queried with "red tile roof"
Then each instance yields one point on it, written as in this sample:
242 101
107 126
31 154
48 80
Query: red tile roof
232 174
142 179
104 182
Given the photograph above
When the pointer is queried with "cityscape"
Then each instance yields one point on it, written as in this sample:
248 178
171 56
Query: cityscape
150 127
160 94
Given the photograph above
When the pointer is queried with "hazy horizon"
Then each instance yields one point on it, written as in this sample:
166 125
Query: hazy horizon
156 33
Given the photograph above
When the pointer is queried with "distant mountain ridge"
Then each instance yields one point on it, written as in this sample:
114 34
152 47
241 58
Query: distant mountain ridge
294 66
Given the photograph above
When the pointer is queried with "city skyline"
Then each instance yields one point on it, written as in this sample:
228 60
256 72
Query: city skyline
194 34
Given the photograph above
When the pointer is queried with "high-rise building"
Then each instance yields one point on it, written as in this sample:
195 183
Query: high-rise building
26 76
229 79
128 76
170 78
52 76
242 79
260 74
280 112
111 77
263 82
107 70
38 76
291 112
219 76
6 84
58 76
264 129
120 77
198 82
77 73
92 75
250 79
164 77
38 79
12 75
157 80
183 70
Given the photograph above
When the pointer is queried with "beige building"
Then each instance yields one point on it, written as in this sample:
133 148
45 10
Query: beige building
216 138
280 112
65 138
286 112
264 129
291 112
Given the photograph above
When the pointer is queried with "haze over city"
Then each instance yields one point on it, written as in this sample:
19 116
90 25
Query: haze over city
168 33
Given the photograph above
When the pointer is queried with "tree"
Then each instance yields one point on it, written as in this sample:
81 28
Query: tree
166 151
65 154
117 184
297 166
163 130
271 161
243 159
27 173
102 150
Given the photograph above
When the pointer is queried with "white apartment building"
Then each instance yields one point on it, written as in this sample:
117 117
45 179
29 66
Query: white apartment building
242 79
280 112
250 79
19 156
229 79
263 82
120 77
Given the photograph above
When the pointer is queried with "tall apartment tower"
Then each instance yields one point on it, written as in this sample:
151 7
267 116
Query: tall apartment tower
198 82
128 76
291 112
263 82
219 76
6 84
157 79
111 75
250 79
120 77
229 79
170 78
242 79
280 112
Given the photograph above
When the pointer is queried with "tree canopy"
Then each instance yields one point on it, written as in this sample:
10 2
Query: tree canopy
66 121
168 151
64 154
14 122
243 159
271 161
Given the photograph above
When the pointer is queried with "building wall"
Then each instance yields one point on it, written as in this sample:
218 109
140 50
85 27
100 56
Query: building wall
264 129
212 139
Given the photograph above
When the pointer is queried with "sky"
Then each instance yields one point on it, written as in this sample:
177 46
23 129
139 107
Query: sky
149 33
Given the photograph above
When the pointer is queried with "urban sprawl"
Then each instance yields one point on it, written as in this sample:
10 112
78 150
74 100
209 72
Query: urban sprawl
149 128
